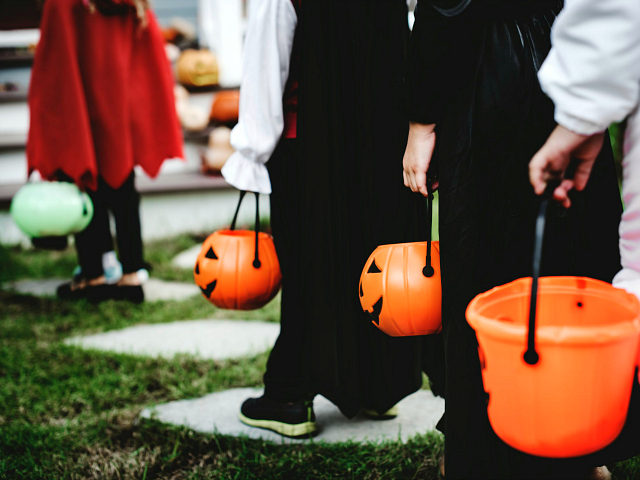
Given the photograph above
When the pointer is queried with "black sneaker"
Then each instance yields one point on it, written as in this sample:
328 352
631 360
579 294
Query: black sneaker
130 293
66 291
93 293
293 419
50 243
375 415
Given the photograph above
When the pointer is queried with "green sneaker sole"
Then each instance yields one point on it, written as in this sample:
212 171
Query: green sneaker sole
388 415
296 430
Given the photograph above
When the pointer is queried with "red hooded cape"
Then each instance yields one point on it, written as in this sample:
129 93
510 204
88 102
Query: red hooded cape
101 96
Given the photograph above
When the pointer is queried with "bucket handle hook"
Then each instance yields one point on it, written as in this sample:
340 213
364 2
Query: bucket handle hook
531 356
428 270
256 257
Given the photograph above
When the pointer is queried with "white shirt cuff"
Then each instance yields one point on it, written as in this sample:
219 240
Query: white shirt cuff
576 124
628 280
245 174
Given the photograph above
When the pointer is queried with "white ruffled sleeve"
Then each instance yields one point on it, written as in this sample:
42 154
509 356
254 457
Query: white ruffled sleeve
592 73
266 57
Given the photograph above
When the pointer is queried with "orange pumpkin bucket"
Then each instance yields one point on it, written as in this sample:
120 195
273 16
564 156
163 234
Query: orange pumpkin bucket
238 269
400 300
569 393
400 291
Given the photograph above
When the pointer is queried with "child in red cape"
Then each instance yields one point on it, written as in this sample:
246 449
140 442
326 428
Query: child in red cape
101 102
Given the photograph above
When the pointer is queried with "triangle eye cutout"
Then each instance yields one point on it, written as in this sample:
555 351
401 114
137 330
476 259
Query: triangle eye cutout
361 291
374 268
211 254
209 290
197 269
376 309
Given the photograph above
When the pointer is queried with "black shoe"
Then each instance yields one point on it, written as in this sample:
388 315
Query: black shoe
50 243
101 293
72 291
65 291
130 293
293 419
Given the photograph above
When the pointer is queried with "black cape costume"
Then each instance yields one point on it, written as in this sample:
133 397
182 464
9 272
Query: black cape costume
474 74
345 197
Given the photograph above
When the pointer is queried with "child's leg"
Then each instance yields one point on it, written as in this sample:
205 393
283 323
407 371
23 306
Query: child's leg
125 205
287 371
285 406
93 241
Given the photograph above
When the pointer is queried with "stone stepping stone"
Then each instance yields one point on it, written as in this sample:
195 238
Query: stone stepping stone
45 287
187 259
209 339
218 413
154 289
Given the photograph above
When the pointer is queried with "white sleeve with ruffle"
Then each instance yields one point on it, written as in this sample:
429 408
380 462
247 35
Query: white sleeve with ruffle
592 73
265 69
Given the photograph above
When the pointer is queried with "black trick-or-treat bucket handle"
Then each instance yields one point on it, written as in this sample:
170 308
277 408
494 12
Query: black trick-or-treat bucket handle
428 270
256 257
531 356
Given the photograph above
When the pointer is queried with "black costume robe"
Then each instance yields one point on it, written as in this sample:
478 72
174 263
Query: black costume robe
474 74
337 194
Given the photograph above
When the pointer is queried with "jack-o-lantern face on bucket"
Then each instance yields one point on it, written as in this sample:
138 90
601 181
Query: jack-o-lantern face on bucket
395 292
229 276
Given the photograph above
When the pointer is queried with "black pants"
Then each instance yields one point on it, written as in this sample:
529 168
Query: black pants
286 378
91 243
496 118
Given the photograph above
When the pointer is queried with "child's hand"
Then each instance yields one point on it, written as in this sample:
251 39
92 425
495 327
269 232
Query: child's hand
553 159
417 156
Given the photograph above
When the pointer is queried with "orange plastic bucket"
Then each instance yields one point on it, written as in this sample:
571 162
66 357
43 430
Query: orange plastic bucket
574 400
228 275
394 290
400 286
238 269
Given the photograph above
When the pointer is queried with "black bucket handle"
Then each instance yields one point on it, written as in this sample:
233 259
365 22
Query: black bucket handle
256 257
531 356
428 270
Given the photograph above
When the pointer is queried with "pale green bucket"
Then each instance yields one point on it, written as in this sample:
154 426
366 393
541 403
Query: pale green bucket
43 209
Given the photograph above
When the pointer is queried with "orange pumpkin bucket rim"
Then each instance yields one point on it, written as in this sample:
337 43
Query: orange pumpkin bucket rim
534 332
403 244
242 233
555 334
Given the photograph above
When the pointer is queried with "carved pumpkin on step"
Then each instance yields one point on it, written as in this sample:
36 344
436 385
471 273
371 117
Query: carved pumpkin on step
225 106
197 68
229 275
397 293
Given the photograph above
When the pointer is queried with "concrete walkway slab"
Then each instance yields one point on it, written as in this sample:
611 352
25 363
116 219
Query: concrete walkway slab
187 259
211 339
154 289
45 287
218 413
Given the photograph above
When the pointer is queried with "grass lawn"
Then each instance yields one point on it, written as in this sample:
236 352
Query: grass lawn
71 413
